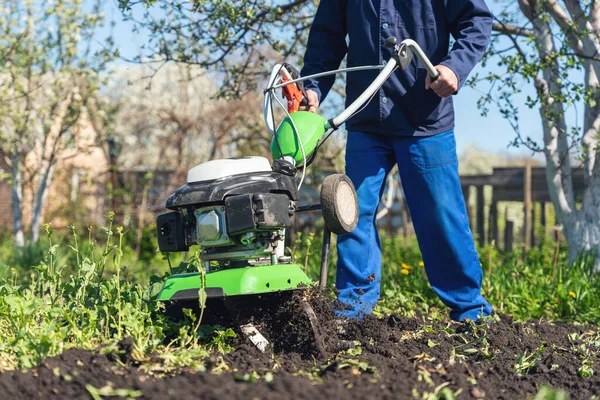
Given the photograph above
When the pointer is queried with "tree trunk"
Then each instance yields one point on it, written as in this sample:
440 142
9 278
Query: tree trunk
580 227
17 201
42 193
141 216
556 146
587 236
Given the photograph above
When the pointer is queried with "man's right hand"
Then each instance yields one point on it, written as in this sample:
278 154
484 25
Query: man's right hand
313 101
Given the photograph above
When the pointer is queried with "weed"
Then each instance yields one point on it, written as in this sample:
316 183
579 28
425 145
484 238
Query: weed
526 288
59 307
109 391
546 393
526 361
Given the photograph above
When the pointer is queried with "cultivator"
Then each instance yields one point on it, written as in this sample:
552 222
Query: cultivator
238 211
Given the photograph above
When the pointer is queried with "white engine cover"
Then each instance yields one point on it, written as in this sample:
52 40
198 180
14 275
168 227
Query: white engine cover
216 169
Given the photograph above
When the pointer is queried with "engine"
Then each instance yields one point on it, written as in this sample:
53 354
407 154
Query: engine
241 216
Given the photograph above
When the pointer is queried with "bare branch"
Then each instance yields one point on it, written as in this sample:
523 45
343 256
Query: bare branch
501 27
512 39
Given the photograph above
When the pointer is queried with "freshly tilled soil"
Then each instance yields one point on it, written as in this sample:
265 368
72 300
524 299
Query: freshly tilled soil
388 358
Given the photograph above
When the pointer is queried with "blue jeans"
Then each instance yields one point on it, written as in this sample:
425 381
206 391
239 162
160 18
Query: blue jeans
429 172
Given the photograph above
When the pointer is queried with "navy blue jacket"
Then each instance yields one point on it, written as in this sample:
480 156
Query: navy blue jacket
402 106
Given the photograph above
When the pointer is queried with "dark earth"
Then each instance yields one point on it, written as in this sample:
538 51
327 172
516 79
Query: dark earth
393 357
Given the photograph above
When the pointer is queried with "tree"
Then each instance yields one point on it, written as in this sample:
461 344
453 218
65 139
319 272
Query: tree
553 45
49 75
170 121
235 38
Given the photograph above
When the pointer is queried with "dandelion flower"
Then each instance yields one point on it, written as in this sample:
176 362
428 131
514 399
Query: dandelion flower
421 264
406 266
572 294
405 271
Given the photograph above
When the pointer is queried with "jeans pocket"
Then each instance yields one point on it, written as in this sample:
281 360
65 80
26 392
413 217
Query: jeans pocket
435 151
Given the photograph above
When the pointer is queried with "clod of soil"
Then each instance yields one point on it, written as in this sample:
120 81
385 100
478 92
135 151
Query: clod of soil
393 357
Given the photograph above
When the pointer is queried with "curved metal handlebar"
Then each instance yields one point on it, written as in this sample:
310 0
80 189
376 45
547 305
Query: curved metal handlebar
365 96
405 51
402 56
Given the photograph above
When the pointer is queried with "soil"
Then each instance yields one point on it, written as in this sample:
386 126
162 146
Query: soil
393 357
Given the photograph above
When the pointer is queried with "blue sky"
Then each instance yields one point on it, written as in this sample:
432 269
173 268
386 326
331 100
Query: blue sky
491 133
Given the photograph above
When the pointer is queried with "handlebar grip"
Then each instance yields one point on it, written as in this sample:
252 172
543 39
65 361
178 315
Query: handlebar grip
304 102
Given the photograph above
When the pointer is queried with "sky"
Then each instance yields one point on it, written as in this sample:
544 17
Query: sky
491 133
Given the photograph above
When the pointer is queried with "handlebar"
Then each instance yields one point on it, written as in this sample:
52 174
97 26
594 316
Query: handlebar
402 56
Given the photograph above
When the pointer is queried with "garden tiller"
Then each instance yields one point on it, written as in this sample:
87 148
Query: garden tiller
238 210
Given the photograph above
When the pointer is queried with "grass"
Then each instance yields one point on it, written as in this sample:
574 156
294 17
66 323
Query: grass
89 304
90 292
530 286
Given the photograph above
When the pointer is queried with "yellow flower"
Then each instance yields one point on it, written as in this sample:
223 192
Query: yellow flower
405 271
421 264
573 295
406 266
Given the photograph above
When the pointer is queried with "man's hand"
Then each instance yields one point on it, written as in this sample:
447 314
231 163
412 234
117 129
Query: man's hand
313 101
446 84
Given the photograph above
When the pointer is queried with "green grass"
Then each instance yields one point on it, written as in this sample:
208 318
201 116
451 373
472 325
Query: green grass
88 304
530 286
89 292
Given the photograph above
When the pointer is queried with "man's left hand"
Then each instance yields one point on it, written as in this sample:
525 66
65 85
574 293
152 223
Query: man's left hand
446 84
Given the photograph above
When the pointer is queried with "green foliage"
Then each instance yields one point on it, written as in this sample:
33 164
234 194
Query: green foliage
79 295
526 287
527 361
235 38
524 63
546 393
50 79
136 270
51 307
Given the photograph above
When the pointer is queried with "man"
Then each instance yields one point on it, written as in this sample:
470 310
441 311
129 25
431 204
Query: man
410 122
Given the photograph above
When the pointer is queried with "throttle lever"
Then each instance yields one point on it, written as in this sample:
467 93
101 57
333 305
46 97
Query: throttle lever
304 102
404 52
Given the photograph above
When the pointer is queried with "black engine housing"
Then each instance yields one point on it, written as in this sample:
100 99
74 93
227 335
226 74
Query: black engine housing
258 201
206 193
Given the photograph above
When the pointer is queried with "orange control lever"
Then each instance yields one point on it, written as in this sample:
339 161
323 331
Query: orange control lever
292 92
293 96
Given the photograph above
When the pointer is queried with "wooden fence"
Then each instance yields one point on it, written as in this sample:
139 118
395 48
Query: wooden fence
527 185
140 196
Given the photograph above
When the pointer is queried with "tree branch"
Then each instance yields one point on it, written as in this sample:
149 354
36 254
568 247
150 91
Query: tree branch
595 14
501 27
565 24
508 28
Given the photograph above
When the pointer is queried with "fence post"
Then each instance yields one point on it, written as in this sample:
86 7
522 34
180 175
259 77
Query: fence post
532 236
527 206
508 235
543 216
480 216
494 219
